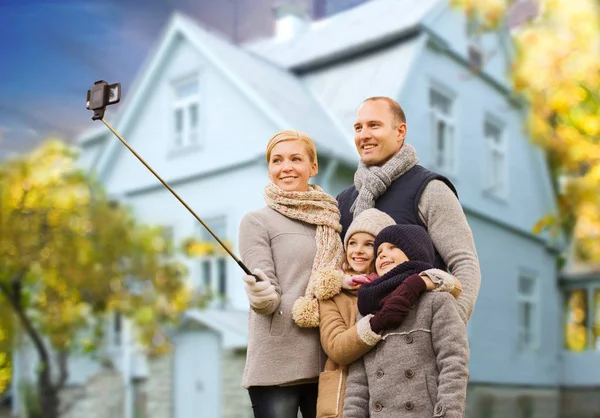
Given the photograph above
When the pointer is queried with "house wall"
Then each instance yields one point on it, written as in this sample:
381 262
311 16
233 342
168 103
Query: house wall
494 401
235 400
232 130
493 334
450 24
102 397
158 388
529 195
501 225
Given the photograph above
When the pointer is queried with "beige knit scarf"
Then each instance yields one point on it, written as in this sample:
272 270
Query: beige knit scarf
318 208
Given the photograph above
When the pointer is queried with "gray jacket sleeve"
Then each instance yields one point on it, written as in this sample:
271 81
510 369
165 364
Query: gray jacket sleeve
255 251
356 401
451 348
447 225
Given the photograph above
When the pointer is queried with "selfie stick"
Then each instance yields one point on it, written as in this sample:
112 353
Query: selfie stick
103 98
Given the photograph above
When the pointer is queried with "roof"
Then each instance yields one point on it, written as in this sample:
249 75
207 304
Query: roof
382 73
232 325
280 95
360 28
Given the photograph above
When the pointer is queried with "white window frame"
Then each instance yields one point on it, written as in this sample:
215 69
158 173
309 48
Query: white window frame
447 162
496 184
533 333
189 137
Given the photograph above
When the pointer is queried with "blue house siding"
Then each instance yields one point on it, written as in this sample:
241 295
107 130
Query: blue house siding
493 329
226 175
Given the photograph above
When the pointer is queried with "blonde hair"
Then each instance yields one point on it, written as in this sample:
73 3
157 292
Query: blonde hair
290 135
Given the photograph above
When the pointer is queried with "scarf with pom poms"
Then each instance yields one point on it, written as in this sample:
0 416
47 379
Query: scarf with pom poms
317 208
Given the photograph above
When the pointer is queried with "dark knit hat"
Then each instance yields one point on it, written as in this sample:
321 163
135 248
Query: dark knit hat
413 240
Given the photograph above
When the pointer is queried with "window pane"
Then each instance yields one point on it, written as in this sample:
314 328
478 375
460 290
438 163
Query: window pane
493 133
526 286
525 407
218 226
178 120
440 102
440 143
222 267
178 126
597 319
193 123
206 273
576 320
525 317
193 113
187 89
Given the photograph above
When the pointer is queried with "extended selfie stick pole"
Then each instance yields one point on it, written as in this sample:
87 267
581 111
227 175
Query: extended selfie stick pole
237 260
103 94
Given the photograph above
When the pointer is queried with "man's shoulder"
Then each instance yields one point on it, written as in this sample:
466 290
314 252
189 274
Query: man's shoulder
432 179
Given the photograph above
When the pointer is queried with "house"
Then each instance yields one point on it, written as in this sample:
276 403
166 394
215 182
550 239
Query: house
200 113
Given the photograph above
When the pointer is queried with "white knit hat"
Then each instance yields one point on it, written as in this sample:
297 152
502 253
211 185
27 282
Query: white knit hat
370 221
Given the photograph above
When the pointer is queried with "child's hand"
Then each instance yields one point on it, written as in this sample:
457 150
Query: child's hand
349 282
354 282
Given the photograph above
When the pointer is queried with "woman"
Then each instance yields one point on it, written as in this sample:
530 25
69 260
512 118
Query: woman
284 244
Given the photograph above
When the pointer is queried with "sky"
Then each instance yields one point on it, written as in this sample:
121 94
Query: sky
52 52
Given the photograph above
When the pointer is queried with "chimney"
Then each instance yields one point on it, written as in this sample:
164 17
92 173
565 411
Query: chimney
290 19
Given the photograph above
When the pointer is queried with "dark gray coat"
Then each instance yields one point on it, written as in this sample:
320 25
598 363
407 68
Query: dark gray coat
417 370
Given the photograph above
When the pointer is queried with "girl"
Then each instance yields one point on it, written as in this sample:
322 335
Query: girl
343 339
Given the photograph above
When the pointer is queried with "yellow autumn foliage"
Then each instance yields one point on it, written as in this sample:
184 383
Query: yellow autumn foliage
69 255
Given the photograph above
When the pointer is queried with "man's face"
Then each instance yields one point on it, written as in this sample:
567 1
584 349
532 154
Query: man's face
376 134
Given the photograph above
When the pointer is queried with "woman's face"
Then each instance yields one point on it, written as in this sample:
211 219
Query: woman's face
359 253
289 166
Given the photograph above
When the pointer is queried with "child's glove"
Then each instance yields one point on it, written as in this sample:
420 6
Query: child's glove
396 306
392 313
260 293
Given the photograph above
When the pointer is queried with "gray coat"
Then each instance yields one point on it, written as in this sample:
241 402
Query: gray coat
279 351
417 370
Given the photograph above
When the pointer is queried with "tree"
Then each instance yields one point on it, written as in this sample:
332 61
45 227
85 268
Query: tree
556 69
6 338
69 256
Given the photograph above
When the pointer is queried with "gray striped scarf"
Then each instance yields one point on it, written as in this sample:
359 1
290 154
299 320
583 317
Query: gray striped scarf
372 181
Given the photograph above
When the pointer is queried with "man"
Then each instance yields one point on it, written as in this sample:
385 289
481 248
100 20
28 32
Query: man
390 179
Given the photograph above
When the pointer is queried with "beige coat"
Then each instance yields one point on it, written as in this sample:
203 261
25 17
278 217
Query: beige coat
418 370
279 352
343 345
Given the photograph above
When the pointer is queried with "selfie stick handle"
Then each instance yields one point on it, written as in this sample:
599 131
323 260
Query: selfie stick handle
242 265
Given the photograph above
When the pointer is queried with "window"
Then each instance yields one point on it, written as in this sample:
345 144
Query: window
496 167
186 113
576 320
474 30
214 262
527 312
117 329
597 319
442 130
525 407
